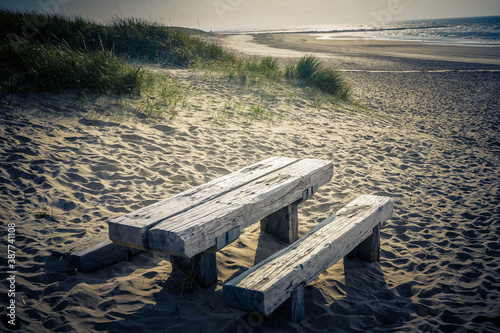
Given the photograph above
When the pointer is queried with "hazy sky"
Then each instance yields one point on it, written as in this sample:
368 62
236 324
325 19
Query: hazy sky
241 14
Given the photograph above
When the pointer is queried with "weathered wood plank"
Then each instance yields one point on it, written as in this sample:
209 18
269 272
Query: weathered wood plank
131 229
241 298
197 229
93 253
283 224
268 284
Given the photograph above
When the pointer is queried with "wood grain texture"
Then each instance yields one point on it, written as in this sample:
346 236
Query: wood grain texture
198 228
268 284
131 229
93 253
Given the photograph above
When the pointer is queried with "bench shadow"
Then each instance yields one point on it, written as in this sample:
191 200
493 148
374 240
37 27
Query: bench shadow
180 305
369 304
267 246
366 302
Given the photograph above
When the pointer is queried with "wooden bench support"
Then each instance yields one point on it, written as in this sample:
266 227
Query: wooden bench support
294 306
369 249
270 283
283 224
226 238
202 267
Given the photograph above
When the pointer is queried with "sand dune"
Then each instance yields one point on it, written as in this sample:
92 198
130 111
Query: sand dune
430 141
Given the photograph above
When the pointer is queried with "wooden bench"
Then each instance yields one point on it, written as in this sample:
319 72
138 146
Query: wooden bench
193 225
353 230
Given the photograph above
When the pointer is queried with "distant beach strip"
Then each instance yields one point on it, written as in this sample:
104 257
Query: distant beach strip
481 31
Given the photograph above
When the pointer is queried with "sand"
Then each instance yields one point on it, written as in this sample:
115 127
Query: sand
428 138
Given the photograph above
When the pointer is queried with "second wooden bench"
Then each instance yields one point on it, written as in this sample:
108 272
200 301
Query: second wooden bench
353 230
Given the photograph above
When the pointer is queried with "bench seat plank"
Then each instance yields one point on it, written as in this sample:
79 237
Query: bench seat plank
131 229
197 229
92 253
267 285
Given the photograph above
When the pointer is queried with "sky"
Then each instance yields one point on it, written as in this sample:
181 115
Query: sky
220 15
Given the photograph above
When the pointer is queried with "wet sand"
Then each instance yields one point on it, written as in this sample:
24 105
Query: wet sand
428 139
357 53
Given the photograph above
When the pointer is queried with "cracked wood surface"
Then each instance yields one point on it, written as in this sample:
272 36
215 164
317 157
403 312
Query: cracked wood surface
197 229
131 229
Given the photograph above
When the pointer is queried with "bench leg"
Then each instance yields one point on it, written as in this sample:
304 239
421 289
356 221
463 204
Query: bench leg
369 249
284 224
202 267
294 306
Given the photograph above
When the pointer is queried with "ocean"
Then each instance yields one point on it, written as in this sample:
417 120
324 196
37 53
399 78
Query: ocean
481 31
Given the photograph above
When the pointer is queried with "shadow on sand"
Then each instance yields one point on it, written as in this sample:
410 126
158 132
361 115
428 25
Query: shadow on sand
368 304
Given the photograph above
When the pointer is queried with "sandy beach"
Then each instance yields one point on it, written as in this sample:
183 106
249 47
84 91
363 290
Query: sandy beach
428 137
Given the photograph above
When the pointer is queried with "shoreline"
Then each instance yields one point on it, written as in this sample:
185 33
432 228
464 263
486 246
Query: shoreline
296 43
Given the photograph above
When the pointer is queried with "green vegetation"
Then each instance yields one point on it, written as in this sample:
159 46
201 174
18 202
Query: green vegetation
306 68
241 113
311 70
256 111
162 95
307 71
131 37
55 53
48 67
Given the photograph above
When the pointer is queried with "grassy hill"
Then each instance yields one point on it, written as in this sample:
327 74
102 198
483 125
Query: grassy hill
50 52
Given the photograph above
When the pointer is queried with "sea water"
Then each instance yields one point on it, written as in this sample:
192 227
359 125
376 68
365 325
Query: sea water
475 29
470 30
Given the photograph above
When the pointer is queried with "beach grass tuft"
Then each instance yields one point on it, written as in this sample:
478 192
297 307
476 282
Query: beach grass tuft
162 95
308 71
246 69
270 65
311 71
306 67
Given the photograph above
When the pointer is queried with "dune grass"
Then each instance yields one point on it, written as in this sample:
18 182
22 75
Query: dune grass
130 37
162 95
308 71
305 68
312 72
36 49
50 52
47 67
250 69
